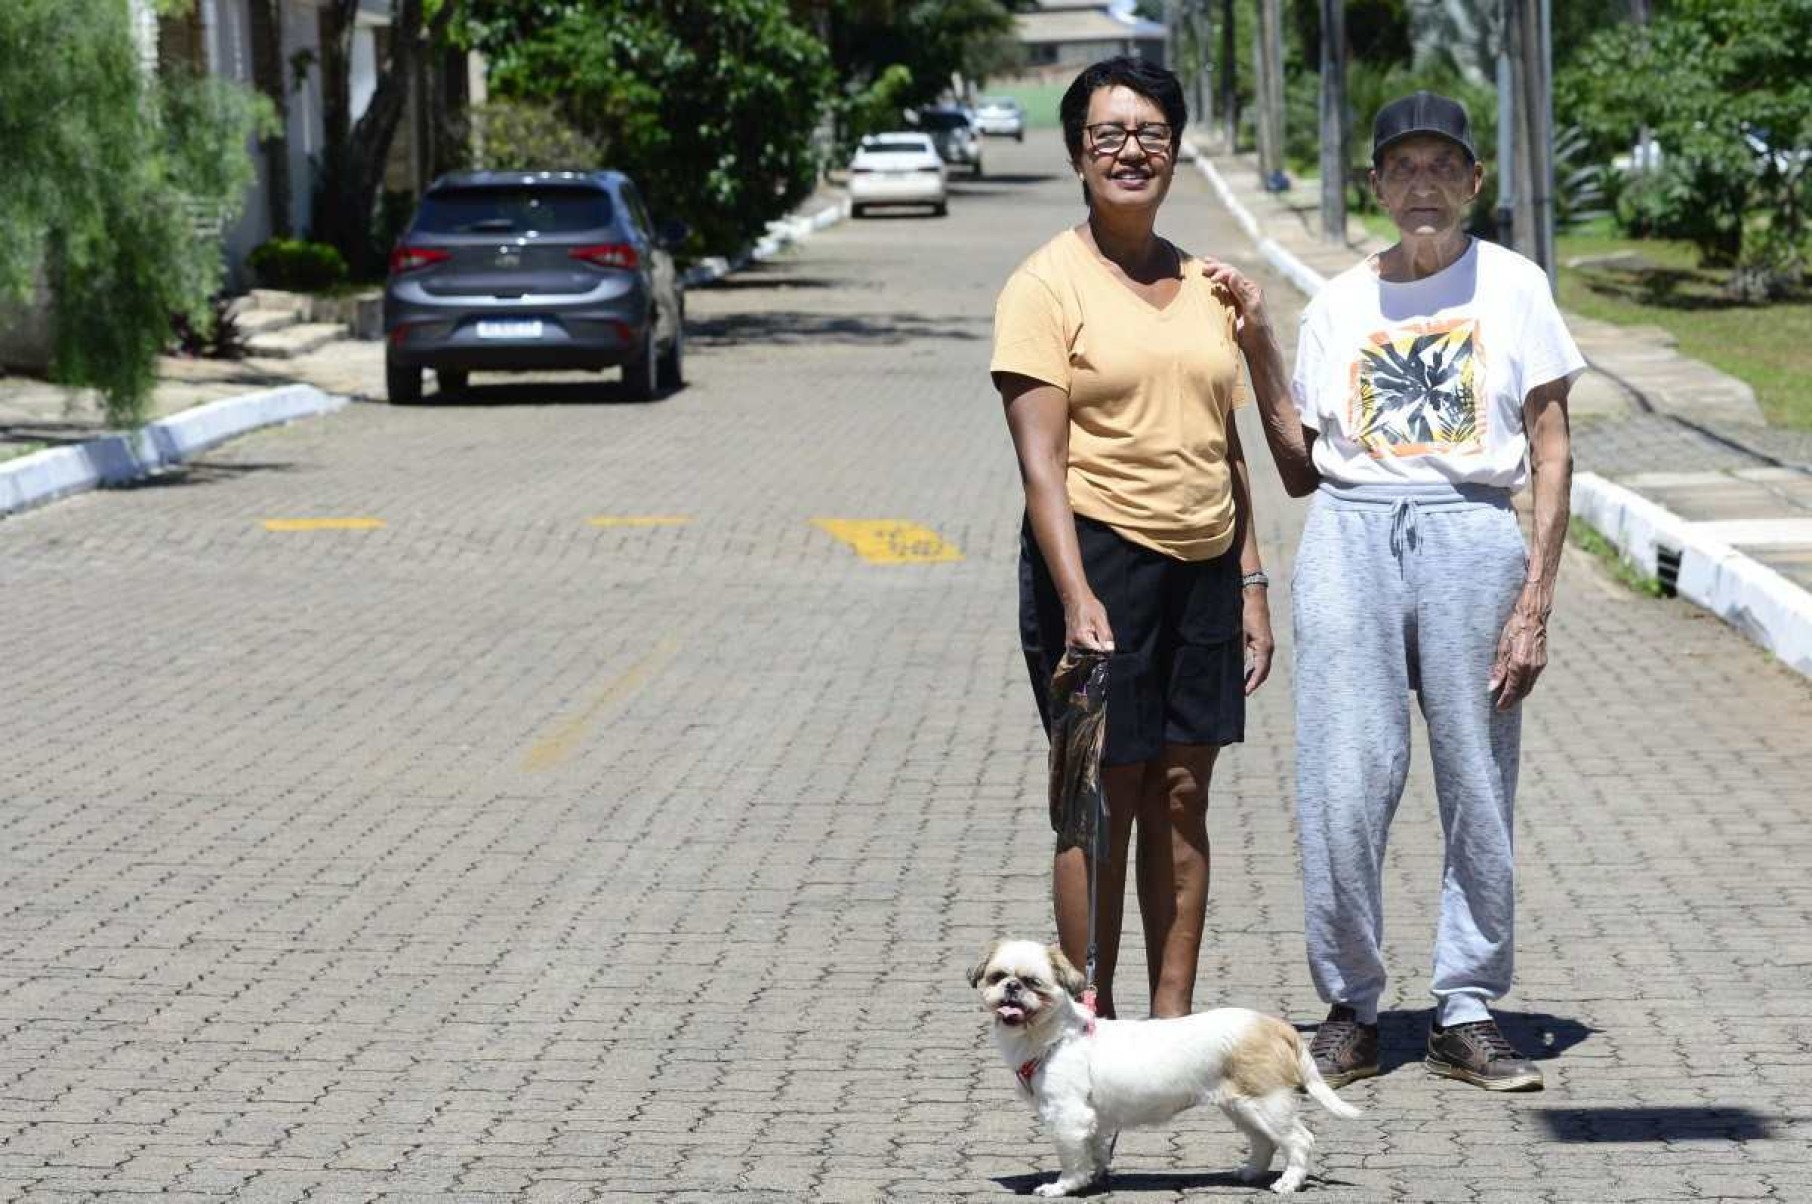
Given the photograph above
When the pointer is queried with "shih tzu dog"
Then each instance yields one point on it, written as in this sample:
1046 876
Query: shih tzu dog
1087 1079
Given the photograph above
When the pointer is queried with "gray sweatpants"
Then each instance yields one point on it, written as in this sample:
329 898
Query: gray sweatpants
1401 588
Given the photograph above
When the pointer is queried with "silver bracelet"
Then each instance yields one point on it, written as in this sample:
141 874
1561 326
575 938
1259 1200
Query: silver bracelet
1255 577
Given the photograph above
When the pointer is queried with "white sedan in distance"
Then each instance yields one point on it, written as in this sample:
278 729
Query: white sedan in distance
1002 116
897 169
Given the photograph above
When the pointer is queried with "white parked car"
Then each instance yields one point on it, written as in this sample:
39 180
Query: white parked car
897 169
1001 115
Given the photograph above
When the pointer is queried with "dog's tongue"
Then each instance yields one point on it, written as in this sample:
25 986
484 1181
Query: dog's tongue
1010 1014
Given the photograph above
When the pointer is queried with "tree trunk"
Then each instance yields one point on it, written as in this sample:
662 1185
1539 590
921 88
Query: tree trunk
266 30
356 153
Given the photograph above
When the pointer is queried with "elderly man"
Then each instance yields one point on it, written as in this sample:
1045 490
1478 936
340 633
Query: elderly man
1431 382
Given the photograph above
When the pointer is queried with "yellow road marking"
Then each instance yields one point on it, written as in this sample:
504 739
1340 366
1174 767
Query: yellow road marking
323 524
890 541
558 746
639 520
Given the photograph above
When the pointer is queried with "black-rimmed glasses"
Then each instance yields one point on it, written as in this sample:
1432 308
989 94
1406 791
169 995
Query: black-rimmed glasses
1108 137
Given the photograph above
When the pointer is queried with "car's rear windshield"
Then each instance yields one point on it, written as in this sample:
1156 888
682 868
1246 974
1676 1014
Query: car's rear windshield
943 121
894 146
513 210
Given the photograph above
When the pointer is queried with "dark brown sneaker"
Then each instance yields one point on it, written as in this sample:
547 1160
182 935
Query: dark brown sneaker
1480 1054
1343 1048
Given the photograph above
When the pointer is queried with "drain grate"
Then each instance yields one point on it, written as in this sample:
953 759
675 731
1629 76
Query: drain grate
1667 569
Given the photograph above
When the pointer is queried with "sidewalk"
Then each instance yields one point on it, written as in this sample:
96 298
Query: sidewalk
1673 461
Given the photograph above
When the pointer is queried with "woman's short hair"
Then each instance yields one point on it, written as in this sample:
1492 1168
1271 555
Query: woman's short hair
1143 76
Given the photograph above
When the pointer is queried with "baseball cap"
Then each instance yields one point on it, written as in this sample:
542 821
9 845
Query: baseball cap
1422 113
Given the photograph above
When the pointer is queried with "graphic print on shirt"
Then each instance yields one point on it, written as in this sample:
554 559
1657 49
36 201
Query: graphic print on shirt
1420 390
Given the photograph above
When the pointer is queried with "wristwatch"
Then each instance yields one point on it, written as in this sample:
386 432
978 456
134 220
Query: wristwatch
1255 577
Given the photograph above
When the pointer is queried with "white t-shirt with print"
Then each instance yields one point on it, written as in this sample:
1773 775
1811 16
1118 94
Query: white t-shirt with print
1423 382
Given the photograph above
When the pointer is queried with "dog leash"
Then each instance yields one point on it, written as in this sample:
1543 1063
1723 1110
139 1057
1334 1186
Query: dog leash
1089 698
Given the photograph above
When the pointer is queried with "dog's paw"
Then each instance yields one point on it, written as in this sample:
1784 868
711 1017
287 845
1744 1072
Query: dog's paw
1288 1182
1048 1190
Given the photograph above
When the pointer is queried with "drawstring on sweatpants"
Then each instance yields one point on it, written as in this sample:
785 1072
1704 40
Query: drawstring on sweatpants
1403 529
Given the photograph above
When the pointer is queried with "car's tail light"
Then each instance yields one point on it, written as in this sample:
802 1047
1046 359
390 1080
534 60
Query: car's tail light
608 255
409 259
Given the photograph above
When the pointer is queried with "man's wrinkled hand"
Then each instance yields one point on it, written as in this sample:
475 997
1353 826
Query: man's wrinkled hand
1522 654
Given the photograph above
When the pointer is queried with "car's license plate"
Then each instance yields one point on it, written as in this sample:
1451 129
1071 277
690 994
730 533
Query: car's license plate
519 329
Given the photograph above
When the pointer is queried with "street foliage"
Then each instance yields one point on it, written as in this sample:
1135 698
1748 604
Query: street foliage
1725 88
115 180
710 106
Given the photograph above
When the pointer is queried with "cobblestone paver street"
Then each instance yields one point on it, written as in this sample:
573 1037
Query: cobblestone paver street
595 824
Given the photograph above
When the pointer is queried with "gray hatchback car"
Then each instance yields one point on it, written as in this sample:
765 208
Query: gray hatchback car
520 271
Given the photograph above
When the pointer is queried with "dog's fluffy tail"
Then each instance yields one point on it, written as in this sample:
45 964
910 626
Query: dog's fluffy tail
1315 1085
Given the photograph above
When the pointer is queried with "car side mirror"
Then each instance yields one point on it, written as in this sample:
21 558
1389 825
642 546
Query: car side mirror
672 234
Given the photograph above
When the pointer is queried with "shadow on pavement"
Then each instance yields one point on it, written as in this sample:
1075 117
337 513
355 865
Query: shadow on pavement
1655 1124
604 390
202 472
965 183
51 434
1155 1181
787 327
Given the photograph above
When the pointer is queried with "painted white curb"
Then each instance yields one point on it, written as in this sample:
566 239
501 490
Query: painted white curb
1307 280
118 459
781 235
1750 596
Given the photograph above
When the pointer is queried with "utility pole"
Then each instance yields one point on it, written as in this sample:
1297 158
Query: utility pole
1333 121
1229 77
1526 22
1268 48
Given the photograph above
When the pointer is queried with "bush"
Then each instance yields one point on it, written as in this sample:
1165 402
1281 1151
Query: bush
297 266
1722 87
522 135
110 176
214 334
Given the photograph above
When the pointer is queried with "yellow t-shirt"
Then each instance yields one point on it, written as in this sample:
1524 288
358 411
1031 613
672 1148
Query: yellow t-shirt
1151 392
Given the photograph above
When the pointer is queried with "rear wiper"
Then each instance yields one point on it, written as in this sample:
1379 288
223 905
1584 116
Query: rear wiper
488 224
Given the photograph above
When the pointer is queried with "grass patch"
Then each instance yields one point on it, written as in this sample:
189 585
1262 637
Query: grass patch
1582 536
12 451
1040 100
1651 282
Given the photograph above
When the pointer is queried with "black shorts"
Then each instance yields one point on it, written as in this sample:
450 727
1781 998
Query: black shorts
1178 672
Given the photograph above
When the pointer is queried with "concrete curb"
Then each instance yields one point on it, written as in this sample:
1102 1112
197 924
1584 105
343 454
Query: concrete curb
120 459
1306 279
781 235
1750 596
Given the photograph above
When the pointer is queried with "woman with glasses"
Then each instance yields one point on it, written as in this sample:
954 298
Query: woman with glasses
1138 538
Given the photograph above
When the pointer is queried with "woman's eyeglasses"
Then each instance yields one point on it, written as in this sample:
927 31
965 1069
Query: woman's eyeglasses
1109 137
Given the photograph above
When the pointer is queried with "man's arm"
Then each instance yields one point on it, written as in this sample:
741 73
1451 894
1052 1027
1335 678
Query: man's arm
1522 650
1291 442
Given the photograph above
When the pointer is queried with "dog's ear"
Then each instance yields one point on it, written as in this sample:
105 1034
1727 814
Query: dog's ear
1068 976
981 967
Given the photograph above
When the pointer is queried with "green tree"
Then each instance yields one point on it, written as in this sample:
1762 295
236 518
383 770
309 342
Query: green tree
711 107
931 39
1704 76
109 173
